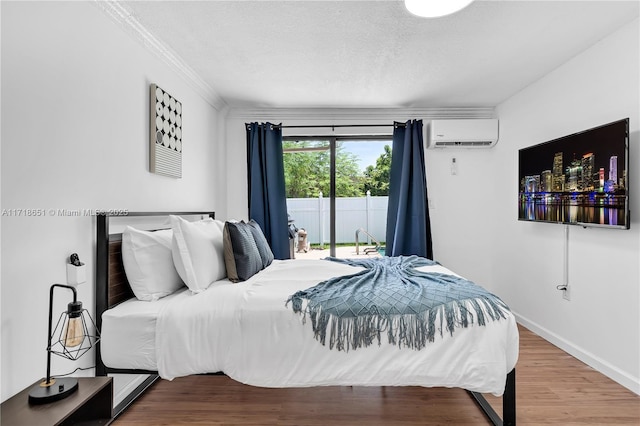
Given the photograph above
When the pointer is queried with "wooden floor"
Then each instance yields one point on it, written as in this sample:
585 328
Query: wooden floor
552 388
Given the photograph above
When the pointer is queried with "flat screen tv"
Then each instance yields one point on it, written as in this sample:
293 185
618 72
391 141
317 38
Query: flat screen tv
579 179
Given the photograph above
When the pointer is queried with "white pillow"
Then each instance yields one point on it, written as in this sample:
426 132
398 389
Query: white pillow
148 263
198 251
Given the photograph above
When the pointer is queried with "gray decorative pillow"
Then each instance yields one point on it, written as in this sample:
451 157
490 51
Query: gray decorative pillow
241 256
261 241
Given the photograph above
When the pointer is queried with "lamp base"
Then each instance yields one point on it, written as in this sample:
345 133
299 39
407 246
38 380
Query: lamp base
58 389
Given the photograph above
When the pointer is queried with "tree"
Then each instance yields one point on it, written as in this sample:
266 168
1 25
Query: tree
308 173
376 178
348 174
303 172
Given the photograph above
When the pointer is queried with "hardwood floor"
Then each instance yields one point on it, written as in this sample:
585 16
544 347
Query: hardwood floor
552 388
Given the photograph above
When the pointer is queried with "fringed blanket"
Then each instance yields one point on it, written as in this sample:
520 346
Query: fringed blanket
390 296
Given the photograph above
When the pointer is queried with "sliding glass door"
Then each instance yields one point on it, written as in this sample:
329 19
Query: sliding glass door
336 193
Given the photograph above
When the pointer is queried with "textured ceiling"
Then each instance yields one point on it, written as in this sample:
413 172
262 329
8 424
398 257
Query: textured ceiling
374 53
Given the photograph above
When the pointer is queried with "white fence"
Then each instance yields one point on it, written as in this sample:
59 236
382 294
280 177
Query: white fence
352 213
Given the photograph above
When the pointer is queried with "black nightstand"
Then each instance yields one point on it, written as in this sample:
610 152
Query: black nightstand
91 404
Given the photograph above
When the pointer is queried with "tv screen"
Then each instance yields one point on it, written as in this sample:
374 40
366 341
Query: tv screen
579 179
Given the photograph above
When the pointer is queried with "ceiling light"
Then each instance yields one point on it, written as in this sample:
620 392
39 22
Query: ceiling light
435 8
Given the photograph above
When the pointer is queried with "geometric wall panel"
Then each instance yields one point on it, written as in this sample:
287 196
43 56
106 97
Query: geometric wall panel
165 133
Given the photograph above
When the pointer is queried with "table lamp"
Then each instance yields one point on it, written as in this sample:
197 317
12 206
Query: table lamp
70 339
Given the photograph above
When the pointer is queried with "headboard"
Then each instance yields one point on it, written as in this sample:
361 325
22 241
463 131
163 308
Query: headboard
112 286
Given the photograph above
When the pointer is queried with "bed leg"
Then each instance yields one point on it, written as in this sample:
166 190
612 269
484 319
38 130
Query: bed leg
508 403
509 400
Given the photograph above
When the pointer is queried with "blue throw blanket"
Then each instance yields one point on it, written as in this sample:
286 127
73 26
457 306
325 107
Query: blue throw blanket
390 296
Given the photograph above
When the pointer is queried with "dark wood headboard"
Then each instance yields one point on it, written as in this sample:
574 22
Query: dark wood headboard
119 289
112 286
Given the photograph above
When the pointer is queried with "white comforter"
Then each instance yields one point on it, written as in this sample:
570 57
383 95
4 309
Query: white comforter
245 331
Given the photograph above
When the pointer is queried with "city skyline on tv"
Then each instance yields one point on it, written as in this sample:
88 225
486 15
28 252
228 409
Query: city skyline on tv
577 179
593 160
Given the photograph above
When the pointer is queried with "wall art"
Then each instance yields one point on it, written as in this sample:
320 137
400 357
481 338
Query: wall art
165 131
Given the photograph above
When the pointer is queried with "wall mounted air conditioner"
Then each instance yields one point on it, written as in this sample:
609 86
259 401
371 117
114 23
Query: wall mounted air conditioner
467 133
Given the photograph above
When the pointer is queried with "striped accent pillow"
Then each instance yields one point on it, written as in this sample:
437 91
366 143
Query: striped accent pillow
261 241
241 256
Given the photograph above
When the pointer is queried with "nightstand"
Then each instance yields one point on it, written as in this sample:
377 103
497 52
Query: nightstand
91 404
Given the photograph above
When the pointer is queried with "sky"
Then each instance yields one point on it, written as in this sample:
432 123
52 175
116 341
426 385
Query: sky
367 151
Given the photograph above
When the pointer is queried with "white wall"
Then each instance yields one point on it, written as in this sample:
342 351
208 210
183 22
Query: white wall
601 323
75 136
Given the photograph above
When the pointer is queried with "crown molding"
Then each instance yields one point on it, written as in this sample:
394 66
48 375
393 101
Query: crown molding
359 114
125 19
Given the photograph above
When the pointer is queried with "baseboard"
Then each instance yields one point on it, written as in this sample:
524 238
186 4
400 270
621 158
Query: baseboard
614 373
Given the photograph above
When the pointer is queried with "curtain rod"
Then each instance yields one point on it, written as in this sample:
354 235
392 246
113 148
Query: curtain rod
330 126
333 126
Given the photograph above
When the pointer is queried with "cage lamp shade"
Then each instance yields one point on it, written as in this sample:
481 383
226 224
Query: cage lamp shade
71 338
435 8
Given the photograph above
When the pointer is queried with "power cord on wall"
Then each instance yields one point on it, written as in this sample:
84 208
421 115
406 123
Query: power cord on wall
564 287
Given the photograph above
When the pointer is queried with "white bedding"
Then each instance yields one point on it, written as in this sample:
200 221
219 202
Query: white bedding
128 335
245 331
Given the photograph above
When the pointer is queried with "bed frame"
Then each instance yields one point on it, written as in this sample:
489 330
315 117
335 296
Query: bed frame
113 288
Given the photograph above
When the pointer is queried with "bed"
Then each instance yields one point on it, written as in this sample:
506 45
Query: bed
246 331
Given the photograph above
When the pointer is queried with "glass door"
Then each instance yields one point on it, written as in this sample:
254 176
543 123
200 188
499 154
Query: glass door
361 214
336 197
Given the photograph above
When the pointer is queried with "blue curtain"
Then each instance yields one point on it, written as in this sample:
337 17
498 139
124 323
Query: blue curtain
267 198
408 225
